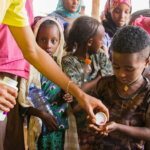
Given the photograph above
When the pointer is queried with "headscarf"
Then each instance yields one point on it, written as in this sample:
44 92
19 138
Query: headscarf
61 10
38 21
110 26
143 22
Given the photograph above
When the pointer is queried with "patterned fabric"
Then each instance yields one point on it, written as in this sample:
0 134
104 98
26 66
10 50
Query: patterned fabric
115 3
129 111
54 94
61 10
73 68
143 22
53 141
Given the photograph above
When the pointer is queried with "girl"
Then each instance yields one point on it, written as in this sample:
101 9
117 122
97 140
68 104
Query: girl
127 93
87 63
67 10
117 13
49 37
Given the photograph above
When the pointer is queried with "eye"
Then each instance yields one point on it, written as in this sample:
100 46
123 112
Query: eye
117 10
127 12
129 69
54 41
116 67
43 40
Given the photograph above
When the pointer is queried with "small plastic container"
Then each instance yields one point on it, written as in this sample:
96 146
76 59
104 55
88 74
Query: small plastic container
101 118
12 83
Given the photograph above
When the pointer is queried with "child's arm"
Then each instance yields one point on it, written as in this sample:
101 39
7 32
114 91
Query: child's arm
49 120
147 146
136 132
88 86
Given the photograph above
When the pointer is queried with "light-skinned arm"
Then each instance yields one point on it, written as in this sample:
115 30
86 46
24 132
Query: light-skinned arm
46 65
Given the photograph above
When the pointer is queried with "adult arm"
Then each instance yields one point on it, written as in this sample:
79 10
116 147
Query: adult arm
46 65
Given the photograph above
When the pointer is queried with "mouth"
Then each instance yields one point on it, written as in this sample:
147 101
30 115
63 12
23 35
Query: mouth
124 81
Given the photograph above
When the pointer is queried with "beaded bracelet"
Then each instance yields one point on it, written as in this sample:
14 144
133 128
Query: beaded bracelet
68 85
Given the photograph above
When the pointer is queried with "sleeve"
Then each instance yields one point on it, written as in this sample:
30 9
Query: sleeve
70 68
16 14
105 40
105 64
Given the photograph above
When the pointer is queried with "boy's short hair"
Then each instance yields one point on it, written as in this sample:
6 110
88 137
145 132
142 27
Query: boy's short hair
131 39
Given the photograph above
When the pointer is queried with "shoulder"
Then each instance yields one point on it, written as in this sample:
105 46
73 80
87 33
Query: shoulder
16 14
107 81
69 59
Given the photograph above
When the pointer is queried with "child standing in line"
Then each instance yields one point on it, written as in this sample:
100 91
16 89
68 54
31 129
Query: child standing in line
49 36
117 13
127 93
87 63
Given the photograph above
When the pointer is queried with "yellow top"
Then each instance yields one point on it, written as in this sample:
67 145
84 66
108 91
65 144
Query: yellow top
13 12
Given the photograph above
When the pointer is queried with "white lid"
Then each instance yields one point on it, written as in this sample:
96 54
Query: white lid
10 81
101 118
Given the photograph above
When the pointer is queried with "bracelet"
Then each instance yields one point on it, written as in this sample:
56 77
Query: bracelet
68 86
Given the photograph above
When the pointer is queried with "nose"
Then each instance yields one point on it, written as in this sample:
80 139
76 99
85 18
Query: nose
122 15
48 44
122 73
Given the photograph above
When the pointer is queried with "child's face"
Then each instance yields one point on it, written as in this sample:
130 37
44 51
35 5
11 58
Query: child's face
97 41
48 38
71 5
120 14
128 67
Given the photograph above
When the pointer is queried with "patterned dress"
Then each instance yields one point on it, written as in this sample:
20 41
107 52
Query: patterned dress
73 68
128 111
54 94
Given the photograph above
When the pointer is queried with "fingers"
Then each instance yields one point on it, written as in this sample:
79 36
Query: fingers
104 109
68 97
94 127
7 100
9 89
91 113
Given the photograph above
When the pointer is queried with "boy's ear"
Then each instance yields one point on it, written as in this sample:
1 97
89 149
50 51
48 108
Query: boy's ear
90 42
147 61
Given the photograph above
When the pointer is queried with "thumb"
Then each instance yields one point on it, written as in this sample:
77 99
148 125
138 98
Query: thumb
91 113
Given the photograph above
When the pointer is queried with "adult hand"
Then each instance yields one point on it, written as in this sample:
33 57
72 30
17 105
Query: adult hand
49 121
7 97
91 105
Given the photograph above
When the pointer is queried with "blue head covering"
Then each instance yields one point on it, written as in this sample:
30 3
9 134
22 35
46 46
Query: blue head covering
61 10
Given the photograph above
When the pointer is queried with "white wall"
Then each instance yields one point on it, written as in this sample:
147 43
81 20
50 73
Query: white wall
43 7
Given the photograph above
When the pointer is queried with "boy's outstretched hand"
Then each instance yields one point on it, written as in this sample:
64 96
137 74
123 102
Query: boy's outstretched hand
104 130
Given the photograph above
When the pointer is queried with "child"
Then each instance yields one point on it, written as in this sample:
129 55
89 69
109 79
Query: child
49 37
117 13
87 63
127 93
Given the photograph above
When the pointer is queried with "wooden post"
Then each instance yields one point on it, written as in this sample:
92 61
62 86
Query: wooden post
95 9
